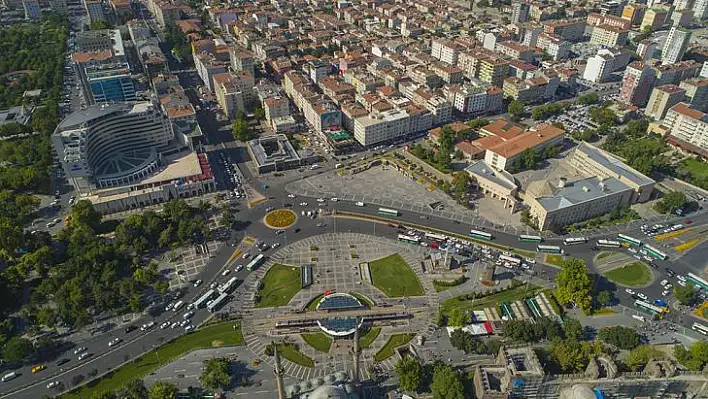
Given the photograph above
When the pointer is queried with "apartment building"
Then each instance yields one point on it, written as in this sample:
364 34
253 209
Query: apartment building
233 91
276 107
445 50
493 70
675 73
638 81
696 93
595 19
448 74
207 65
571 30
531 35
654 19
646 50
379 127
553 46
634 13
601 65
537 138
519 12
676 45
517 51
241 60
609 36
688 129
662 98
532 90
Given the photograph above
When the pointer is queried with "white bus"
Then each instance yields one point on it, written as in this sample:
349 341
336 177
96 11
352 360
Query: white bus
629 240
550 249
608 244
700 328
388 212
201 302
407 238
255 262
697 281
481 235
574 240
217 303
655 252
530 238
227 286
511 259
436 237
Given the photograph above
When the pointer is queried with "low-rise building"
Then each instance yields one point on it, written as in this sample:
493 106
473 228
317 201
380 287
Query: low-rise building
497 184
516 50
276 153
557 48
571 30
537 138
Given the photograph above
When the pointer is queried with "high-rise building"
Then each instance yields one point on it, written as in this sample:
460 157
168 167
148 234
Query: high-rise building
637 83
688 128
676 45
519 12
696 93
700 9
602 64
110 84
662 98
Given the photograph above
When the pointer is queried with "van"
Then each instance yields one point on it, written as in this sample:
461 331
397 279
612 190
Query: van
359 203
9 376
177 306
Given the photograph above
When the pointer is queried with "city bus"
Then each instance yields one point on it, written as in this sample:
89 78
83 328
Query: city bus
227 286
511 259
655 252
629 240
574 240
199 303
653 310
436 237
407 238
255 262
217 303
697 281
388 212
551 249
700 328
481 235
530 238
608 244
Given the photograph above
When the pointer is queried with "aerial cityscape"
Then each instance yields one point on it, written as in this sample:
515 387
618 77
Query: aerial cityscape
353 199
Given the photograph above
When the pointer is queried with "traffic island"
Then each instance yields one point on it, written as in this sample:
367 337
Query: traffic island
635 275
280 218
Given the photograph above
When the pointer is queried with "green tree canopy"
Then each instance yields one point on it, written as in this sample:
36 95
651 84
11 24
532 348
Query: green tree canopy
447 383
458 318
17 349
410 372
216 374
671 202
574 284
604 298
163 390
620 336
639 357
516 110
686 295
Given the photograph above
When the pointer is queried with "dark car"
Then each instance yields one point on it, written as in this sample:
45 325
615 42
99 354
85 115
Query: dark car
296 230
130 328
63 361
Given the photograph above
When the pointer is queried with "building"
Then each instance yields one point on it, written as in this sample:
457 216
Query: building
276 107
124 155
654 19
688 129
32 9
493 70
100 40
557 48
318 70
233 91
498 184
59 7
681 18
646 50
381 127
662 98
634 13
601 65
109 84
276 153
208 65
94 10
242 60
502 155
696 93
591 161
638 80
445 50
166 14
519 12
700 9
571 30
516 50
704 70
123 10
531 90
676 73
676 45
595 19
554 207
609 36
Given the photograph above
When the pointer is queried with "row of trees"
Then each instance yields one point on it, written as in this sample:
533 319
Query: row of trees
437 378
671 202
468 343
548 110
136 389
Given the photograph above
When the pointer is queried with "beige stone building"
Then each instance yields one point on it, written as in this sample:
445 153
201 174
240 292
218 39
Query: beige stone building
498 184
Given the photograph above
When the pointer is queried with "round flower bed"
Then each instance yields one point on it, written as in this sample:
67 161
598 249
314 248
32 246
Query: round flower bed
280 218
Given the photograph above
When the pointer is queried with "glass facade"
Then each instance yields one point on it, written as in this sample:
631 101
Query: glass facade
112 85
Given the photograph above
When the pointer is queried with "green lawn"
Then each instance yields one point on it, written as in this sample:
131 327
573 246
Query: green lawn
394 277
369 337
603 255
280 285
320 341
635 274
366 301
214 336
393 342
314 302
510 295
556 260
697 169
290 352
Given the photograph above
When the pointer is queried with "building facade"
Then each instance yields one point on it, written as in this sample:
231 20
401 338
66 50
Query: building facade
662 98
676 45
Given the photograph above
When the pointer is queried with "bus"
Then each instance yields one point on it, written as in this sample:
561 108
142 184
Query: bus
649 308
227 286
655 252
410 239
608 244
511 259
551 249
217 303
199 303
697 281
481 235
700 328
629 240
255 262
530 238
574 240
388 212
436 237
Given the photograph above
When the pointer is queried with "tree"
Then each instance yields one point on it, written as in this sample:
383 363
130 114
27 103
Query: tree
216 374
241 131
447 139
104 395
447 383
620 336
671 202
410 372
604 298
17 349
163 390
639 357
589 98
516 110
686 295
84 214
458 318
572 329
133 390
259 114
574 284
602 116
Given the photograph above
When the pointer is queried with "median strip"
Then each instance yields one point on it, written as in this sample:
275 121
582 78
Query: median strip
671 234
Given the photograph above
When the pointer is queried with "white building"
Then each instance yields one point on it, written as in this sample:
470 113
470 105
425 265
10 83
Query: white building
470 99
376 128
554 46
704 70
602 64
676 45
445 50
688 126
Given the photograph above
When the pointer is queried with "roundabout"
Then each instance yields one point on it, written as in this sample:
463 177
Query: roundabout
280 219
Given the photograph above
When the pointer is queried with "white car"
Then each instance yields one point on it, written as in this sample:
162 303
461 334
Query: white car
642 296
303 204
174 325
238 268
359 203
246 255
334 199
668 286
80 349
169 306
83 356
682 283
189 328
197 283
53 384
114 342
164 325
320 200
213 285
629 291
664 282
665 293
275 245
225 272
291 195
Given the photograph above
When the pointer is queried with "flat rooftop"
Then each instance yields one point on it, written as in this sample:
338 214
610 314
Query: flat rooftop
613 164
580 191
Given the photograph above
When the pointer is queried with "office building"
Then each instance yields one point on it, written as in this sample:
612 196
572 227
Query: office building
696 93
638 81
590 161
110 84
662 98
676 45
609 36
688 129
502 155
32 9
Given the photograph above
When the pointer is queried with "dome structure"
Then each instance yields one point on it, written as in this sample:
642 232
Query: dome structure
579 391
328 392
